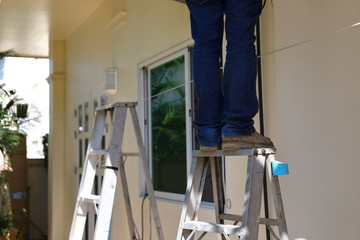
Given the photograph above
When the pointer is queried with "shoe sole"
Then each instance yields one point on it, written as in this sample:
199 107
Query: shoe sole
234 146
208 149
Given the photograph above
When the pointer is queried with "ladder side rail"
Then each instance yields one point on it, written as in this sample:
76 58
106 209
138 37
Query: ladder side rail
252 200
98 130
278 202
193 196
218 188
196 192
126 196
81 208
218 191
108 188
89 171
194 186
145 166
86 182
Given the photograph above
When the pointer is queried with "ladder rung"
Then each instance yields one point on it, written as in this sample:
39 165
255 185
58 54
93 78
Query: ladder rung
135 154
90 198
98 152
118 104
104 152
213 227
238 218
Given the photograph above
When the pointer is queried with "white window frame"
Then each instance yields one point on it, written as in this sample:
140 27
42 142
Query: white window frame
143 71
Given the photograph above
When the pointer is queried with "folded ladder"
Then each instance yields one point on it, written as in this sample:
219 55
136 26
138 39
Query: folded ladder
114 162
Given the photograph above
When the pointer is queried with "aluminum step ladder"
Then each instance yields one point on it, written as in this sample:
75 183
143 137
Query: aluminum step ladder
114 163
258 161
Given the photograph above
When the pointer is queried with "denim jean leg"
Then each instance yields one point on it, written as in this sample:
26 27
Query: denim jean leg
241 103
207 31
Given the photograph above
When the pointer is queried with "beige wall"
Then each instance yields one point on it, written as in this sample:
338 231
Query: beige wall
317 117
310 106
88 53
90 50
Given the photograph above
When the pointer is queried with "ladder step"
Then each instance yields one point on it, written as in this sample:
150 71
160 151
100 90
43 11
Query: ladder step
104 152
118 104
238 218
98 152
213 227
91 198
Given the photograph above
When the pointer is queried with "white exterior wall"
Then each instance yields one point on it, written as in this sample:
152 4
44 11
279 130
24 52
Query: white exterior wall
310 107
317 117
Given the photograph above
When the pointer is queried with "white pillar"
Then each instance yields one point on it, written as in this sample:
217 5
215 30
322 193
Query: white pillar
56 140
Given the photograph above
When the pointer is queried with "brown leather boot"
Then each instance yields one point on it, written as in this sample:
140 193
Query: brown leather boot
208 149
255 140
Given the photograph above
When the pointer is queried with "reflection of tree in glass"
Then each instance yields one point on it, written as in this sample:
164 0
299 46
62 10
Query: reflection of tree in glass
168 114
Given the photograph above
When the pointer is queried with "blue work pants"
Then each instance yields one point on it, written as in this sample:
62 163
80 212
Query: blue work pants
224 108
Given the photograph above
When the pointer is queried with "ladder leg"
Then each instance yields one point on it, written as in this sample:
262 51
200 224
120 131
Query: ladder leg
146 170
127 200
278 203
194 191
252 201
87 179
218 190
110 175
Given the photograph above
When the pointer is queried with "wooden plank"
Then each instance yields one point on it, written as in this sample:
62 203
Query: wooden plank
240 152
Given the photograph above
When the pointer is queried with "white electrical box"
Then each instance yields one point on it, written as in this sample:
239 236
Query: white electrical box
111 81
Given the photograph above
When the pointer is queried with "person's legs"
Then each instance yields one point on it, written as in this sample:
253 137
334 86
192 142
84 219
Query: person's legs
241 103
207 32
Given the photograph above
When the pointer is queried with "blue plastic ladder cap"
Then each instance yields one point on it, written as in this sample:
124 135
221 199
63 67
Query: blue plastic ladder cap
279 168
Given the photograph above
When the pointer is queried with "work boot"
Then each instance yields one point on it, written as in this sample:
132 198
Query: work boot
208 149
255 140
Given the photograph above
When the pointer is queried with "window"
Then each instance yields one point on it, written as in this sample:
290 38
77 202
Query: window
167 129
168 102
168 123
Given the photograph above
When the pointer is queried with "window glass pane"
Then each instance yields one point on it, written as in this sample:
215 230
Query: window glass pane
86 145
80 119
86 120
95 104
80 153
168 129
103 100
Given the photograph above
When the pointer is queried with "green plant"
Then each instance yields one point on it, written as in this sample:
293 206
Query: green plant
8 225
13 115
9 136
45 143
